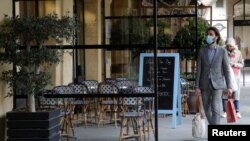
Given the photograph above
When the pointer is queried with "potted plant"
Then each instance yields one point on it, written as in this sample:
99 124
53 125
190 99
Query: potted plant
163 32
23 43
23 40
131 31
186 37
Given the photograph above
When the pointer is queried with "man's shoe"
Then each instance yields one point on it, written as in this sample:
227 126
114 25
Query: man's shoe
224 115
238 114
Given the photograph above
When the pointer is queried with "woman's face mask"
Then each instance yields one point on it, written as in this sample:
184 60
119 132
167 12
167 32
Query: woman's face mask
210 39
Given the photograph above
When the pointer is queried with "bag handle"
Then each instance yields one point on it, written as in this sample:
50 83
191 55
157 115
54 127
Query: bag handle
229 96
197 104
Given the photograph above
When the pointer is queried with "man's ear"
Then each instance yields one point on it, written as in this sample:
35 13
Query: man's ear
215 38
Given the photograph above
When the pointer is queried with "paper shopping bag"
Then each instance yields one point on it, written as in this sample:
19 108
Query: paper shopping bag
230 110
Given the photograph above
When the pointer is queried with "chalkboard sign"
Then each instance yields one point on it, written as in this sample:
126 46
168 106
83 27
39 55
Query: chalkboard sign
165 79
168 76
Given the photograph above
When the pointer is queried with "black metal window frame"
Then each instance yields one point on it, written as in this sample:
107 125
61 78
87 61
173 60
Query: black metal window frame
76 47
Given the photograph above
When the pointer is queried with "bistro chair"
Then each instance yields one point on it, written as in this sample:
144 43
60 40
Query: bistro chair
83 103
67 111
110 81
184 96
108 104
131 118
147 107
47 103
125 86
92 86
121 78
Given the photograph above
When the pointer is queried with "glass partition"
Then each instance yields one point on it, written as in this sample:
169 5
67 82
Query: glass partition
111 38
61 73
241 26
239 10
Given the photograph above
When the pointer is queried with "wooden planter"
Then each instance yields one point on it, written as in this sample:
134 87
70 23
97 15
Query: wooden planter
36 126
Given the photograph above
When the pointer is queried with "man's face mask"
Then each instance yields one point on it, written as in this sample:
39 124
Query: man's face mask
210 39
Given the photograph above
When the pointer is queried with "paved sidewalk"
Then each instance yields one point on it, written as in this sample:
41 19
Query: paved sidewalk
166 132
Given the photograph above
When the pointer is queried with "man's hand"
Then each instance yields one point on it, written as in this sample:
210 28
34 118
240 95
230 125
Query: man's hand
231 64
229 92
197 91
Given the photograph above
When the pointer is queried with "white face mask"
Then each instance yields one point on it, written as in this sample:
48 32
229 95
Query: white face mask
210 39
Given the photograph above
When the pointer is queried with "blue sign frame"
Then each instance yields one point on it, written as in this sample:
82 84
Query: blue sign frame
176 101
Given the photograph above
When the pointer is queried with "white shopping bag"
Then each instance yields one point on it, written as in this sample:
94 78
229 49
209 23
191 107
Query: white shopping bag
198 126
233 80
199 121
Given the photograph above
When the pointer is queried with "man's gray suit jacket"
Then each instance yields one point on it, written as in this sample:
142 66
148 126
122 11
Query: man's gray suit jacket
217 72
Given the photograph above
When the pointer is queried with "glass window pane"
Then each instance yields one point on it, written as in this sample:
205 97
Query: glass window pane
238 10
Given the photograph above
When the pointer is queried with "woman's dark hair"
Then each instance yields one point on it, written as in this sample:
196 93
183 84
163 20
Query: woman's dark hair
217 33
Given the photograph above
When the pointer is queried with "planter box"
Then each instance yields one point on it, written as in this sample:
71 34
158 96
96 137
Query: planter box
37 126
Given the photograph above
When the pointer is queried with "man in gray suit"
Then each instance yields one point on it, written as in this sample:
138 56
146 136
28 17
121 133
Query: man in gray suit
212 73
